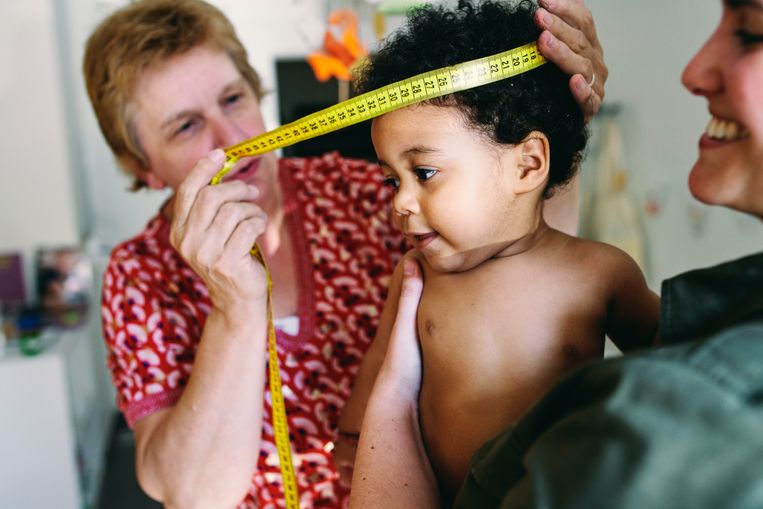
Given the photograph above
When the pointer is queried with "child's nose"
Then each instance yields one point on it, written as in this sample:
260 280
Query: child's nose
405 202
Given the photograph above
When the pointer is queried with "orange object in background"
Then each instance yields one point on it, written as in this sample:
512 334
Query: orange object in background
338 55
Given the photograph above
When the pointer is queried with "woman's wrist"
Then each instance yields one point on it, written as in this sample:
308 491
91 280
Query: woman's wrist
398 384
242 316
392 394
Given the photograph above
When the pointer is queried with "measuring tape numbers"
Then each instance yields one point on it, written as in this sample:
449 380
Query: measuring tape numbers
280 425
421 87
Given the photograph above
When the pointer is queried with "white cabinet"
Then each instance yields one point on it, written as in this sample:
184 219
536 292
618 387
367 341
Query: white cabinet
55 421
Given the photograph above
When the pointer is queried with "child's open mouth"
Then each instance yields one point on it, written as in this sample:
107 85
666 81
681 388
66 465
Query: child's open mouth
420 241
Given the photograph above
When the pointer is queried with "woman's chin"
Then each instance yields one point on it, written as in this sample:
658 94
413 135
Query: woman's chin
702 185
722 187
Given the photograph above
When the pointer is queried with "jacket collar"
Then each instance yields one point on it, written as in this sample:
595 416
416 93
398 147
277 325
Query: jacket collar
701 302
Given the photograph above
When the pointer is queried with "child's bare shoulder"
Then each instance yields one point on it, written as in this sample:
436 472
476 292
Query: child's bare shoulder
598 259
599 251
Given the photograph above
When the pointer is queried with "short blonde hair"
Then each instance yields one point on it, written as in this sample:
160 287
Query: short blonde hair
137 37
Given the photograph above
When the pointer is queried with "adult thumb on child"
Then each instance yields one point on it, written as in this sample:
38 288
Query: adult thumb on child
403 353
410 292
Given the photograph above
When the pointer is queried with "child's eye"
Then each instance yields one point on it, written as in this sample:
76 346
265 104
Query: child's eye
392 182
424 174
747 38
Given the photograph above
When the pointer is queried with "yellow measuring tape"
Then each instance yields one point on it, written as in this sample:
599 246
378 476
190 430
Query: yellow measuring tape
280 426
421 87
377 102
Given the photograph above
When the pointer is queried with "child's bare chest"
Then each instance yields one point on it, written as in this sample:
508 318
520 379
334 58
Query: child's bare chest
492 318
493 341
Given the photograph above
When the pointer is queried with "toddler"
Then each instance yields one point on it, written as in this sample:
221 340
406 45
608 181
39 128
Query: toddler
510 305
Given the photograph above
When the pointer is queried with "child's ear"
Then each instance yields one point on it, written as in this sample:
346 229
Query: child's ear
534 160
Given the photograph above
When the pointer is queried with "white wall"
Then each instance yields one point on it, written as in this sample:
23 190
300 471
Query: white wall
37 205
113 212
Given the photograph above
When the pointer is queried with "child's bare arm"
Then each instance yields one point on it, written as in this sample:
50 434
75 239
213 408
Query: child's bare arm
634 309
351 417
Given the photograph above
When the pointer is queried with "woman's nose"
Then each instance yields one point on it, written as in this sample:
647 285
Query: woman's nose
227 132
702 75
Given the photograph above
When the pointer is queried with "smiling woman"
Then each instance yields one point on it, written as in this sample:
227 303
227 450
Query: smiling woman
728 72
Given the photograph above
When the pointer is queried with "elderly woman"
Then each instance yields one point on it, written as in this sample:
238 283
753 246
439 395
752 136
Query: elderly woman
678 426
185 305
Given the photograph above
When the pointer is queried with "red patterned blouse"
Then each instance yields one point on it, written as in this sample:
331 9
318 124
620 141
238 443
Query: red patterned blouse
154 308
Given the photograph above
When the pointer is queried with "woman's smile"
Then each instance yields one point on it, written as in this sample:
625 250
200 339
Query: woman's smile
720 132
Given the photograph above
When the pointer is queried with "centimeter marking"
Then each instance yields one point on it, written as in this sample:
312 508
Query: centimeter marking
377 102
280 425
421 87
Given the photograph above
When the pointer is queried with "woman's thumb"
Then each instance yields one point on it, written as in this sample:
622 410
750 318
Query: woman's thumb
410 293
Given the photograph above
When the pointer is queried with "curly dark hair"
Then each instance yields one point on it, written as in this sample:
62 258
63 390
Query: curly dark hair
506 111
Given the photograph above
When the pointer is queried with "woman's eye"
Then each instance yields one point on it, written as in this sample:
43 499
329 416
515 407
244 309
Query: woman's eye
233 98
748 38
424 174
184 127
392 182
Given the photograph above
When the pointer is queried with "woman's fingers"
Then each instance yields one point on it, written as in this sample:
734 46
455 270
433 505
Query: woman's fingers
568 46
210 202
197 179
229 218
586 96
214 229
571 16
570 41
198 204
245 233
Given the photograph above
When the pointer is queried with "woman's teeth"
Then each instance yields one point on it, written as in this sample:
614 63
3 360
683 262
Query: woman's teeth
726 130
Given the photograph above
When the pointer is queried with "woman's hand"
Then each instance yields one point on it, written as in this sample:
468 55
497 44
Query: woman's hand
214 228
402 363
569 40
201 452
392 468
